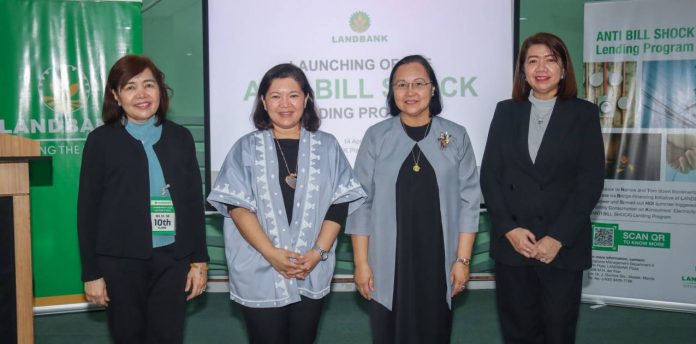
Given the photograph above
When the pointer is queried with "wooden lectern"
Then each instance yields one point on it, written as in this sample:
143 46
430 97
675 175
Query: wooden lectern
15 233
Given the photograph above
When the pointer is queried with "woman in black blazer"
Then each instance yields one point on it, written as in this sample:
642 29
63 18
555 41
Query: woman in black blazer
542 174
140 216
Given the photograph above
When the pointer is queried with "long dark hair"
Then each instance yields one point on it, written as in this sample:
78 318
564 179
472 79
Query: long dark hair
310 119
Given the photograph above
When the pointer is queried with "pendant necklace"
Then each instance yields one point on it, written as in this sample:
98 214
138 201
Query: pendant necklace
291 178
540 119
416 159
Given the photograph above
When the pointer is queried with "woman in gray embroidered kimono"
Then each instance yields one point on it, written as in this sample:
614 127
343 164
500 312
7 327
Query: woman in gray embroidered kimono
284 190
413 237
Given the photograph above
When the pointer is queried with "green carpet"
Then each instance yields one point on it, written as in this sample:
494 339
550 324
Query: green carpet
213 319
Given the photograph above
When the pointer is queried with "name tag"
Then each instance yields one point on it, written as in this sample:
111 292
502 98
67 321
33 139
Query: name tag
162 216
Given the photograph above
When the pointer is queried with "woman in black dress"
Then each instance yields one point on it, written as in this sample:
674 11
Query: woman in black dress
413 237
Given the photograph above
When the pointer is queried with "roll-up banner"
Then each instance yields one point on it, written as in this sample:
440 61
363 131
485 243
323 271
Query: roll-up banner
640 69
56 56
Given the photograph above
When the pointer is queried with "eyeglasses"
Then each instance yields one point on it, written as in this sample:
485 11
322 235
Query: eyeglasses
416 85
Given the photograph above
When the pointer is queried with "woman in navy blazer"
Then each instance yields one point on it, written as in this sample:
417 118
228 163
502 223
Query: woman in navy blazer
542 174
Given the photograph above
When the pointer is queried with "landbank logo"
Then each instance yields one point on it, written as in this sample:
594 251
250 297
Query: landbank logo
359 23
64 89
59 89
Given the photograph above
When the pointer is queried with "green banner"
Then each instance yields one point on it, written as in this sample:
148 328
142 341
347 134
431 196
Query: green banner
56 56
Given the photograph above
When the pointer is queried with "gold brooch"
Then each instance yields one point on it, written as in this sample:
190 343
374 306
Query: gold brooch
444 139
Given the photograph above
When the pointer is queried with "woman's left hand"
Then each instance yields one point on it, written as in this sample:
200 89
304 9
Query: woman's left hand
310 261
547 248
196 280
458 277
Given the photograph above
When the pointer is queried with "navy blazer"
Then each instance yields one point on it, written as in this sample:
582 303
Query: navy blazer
553 196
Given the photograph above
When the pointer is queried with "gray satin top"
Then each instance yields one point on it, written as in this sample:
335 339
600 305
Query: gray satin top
382 152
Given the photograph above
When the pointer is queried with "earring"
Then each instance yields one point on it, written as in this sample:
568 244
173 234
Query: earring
119 103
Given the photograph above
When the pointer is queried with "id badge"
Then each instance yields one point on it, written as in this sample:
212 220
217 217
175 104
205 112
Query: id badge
162 216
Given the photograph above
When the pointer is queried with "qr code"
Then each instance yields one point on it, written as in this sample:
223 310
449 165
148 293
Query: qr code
603 237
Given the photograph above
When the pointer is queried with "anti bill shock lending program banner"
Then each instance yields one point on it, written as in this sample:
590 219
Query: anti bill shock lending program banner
55 60
640 69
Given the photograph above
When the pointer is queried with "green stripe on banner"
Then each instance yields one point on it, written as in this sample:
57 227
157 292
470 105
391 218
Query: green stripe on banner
56 56
644 239
608 237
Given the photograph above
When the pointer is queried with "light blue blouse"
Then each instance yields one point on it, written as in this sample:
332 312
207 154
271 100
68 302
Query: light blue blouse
249 179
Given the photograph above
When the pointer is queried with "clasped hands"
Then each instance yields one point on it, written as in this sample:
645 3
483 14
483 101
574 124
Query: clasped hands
291 264
525 243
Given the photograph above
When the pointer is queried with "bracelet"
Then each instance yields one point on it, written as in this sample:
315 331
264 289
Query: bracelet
465 261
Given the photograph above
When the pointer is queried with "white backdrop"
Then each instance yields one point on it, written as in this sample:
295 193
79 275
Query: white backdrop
347 50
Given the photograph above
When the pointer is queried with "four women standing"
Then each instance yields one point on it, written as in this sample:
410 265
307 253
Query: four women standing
286 188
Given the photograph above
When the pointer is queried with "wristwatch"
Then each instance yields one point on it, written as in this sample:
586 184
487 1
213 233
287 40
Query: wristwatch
324 254
465 261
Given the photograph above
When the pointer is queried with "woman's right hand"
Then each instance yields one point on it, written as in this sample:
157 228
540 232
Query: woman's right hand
364 280
287 263
95 292
523 241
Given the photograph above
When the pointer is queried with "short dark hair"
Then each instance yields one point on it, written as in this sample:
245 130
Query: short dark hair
435 101
566 87
310 119
121 72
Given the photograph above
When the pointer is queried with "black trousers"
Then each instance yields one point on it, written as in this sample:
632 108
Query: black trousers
296 323
537 304
148 302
